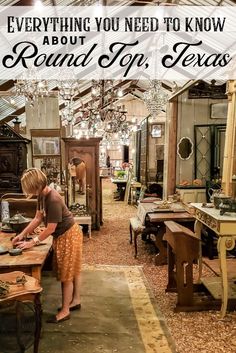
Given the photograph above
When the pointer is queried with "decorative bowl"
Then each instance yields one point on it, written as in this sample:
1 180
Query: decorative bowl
15 252
17 222
220 198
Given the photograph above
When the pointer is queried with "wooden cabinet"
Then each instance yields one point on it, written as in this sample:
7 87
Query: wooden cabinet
88 151
13 159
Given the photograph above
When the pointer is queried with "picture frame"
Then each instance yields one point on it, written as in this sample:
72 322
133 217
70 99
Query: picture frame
156 130
46 142
46 146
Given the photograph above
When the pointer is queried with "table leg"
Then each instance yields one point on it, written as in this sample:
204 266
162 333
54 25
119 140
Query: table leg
198 231
171 285
89 229
223 269
161 257
38 321
18 327
224 243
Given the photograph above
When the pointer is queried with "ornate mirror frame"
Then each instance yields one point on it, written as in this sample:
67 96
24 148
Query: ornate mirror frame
180 144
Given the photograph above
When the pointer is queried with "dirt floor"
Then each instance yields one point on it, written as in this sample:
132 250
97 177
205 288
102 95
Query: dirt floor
197 332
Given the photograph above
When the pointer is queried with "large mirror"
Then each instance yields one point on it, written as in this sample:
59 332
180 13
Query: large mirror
185 148
77 171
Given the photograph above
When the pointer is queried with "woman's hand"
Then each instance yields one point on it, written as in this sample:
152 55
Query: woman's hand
16 239
25 244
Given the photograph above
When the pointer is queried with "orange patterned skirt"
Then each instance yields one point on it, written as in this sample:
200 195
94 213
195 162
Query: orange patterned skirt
68 254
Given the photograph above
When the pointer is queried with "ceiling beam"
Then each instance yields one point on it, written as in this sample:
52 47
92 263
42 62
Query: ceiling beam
88 90
13 115
7 85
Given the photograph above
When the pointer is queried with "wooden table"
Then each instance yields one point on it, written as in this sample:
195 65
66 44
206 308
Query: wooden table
29 292
147 213
159 218
225 228
121 186
30 262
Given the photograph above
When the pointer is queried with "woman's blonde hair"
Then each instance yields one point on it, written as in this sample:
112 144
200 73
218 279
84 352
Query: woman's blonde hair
33 181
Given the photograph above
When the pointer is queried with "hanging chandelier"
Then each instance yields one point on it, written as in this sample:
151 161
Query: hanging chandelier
67 114
31 86
155 98
68 89
102 106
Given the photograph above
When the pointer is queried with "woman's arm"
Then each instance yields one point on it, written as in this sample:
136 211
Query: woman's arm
36 221
42 236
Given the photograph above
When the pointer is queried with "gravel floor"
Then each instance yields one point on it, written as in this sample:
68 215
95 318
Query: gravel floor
199 332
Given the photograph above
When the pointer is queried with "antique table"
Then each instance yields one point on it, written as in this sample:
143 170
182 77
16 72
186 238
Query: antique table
27 292
121 186
30 261
225 228
147 212
159 218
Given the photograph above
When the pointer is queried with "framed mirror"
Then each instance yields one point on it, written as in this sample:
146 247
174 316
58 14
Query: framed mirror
77 172
185 148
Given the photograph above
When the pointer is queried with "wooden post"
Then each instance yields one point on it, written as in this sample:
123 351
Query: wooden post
172 148
229 166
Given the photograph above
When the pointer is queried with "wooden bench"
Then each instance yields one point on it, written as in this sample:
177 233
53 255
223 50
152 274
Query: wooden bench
182 252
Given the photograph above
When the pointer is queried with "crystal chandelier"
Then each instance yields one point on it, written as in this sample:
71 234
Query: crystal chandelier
67 114
31 86
155 98
102 106
68 89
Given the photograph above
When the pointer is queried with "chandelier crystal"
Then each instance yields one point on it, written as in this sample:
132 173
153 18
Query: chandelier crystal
102 108
155 98
31 86
67 114
68 89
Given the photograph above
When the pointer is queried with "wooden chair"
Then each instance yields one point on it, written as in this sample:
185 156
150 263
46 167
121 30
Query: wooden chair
136 228
182 252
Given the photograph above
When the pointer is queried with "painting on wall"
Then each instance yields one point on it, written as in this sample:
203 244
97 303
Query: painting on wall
46 145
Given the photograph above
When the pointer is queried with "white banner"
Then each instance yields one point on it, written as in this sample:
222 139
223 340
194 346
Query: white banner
95 42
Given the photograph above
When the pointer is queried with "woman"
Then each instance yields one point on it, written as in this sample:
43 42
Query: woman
67 238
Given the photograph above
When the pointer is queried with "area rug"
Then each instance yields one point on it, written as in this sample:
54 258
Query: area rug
118 314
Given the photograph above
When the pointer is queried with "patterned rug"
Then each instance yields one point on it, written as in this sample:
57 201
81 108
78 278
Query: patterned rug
118 314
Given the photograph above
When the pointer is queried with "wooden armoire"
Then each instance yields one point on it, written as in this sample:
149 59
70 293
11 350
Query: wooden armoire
13 159
87 150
